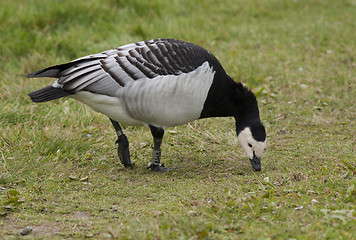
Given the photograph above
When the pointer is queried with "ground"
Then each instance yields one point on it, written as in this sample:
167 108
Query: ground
59 170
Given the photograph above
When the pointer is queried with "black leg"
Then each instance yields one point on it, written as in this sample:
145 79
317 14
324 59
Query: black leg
157 134
123 148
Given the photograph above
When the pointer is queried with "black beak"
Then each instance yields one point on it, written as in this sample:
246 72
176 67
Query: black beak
256 163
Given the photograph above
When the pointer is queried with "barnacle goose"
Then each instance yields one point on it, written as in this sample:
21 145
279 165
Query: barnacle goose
158 83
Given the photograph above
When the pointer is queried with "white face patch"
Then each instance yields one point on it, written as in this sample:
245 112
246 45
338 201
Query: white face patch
250 145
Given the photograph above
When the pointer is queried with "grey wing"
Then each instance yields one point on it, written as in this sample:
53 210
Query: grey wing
99 73
111 70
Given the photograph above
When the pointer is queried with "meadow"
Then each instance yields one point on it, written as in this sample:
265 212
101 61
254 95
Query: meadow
59 170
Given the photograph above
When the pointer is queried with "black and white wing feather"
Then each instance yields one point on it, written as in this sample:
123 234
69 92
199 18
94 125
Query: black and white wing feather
106 72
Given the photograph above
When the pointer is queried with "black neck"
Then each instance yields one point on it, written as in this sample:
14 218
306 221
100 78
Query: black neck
228 98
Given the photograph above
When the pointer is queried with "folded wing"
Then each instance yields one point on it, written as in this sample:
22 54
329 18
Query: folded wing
107 72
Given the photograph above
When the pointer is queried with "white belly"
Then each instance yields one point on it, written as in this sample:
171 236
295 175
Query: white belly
110 106
163 101
168 100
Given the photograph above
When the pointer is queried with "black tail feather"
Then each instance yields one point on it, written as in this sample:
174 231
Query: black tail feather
47 72
52 72
47 94
55 71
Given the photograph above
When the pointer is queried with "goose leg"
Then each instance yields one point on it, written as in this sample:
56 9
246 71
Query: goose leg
123 148
155 165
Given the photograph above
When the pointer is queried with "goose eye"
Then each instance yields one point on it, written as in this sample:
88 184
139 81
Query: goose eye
250 145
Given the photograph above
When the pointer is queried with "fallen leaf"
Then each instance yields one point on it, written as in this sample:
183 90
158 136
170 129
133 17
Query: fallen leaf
202 234
84 179
266 179
72 177
26 231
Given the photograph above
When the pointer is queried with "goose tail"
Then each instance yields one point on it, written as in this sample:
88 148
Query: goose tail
47 94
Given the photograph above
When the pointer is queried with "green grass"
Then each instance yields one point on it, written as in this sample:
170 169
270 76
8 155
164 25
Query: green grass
298 56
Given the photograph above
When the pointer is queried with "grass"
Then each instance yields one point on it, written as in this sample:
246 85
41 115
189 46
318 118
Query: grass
59 171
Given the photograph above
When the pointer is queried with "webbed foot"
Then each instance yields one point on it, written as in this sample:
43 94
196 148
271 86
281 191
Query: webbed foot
159 168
